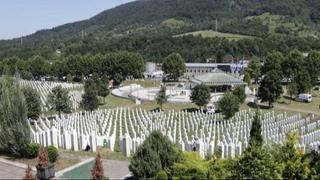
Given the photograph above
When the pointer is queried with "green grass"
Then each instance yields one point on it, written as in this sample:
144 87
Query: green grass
273 21
167 106
173 23
211 34
113 102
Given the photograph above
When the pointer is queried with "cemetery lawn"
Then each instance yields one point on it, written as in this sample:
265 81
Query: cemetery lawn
168 106
113 102
144 83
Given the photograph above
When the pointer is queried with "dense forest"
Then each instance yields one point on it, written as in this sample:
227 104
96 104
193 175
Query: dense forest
139 27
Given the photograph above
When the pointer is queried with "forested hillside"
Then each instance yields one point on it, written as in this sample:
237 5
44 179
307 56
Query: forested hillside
149 27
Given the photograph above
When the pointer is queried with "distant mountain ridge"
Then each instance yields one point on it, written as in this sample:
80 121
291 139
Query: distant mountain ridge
143 16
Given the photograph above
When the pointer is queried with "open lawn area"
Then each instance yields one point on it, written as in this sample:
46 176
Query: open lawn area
212 34
168 106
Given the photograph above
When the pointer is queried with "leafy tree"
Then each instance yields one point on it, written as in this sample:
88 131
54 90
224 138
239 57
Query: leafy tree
240 93
220 169
303 81
313 66
161 97
256 163
229 105
273 62
145 163
292 159
270 89
292 90
90 100
293 63
247 78
254 68
174 66
256 138
200 95
157 152
14 128
59 100
69 78
192 166
33 102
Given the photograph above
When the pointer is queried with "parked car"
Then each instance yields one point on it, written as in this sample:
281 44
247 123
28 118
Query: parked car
304 98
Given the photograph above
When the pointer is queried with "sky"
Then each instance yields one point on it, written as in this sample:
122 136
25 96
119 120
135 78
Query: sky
23 17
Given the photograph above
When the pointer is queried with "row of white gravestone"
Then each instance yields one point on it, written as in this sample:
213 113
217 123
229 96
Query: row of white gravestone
44 88
210 133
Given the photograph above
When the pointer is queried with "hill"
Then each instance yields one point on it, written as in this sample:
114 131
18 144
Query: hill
169 18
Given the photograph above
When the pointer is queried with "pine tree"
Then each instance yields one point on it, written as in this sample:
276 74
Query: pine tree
161 96
59 100
90 100
97 170
14 128
33 102
255 132
29 175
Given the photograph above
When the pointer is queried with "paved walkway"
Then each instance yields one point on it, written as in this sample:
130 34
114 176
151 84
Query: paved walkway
116 169
9 170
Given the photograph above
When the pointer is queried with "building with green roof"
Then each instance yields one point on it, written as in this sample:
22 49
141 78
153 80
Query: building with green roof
217 80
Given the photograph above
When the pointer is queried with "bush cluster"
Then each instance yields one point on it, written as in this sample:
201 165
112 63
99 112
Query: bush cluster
33 150
53 153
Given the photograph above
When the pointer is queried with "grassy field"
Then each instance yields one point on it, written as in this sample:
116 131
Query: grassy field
168 106
113 102
211 34
274 21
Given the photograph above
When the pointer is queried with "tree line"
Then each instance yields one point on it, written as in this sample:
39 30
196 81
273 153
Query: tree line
117 66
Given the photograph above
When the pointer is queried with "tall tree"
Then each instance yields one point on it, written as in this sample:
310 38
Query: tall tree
254 68
157 152
59 100
303 81
256 138
273 62
162 97
240 93
14 128
200 95
292 90
229 105
313 66
270 89
33 102
174 66
90 100
292 159
256 163
293 63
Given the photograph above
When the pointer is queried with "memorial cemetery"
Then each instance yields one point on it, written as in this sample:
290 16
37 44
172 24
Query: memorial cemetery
208 134
45 87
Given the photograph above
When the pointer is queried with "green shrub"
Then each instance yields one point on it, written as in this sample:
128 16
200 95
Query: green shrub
33 150
161 175
53 153
191 167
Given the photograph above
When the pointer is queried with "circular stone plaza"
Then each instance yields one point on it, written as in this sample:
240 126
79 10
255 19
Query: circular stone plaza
217 80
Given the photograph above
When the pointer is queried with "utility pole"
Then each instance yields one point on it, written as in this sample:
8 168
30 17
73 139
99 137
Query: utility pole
216 25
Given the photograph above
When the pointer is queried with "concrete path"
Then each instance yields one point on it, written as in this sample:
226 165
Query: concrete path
12 170
116 169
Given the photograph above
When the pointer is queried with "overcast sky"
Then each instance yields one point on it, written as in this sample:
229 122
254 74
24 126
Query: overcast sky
23 17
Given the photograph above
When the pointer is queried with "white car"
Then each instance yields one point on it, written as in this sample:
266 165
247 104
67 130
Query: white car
304 97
